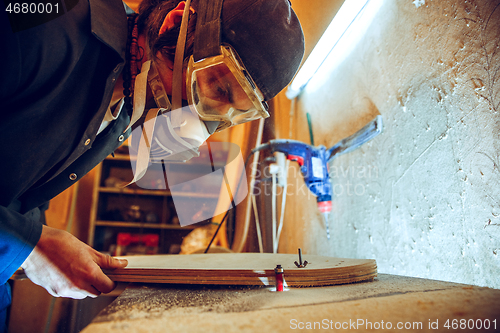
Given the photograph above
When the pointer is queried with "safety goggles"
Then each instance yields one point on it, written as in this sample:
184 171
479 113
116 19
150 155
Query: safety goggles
219 88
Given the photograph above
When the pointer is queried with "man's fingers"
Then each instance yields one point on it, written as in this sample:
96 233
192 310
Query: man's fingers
66 267
108 262
118 263
104 284
92 291
100 281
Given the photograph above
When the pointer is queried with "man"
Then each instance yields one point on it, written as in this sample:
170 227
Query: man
68 85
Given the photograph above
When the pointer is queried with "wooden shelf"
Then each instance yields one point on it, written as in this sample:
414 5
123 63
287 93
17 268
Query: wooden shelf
134 191
154 192
124 224
194 161
111 205
126 157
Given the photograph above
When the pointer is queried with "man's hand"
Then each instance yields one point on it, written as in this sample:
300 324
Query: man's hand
66 267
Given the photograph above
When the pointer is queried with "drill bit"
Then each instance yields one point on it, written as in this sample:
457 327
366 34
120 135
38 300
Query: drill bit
326 214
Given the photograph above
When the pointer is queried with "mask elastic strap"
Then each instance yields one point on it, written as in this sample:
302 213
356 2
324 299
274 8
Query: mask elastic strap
178 82
142 161
141 82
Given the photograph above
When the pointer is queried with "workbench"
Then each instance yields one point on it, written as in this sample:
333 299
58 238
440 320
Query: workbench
388 303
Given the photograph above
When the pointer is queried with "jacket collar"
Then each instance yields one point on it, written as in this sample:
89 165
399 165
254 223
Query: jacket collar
109 29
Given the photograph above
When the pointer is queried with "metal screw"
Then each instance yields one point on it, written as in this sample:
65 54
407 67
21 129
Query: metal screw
301 264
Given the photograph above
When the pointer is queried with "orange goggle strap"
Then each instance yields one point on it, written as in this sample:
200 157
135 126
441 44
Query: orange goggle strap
177 81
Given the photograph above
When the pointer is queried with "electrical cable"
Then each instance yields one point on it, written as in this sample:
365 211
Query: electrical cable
257 224
309 124
238 245
283 203
273 211
216 231
227 212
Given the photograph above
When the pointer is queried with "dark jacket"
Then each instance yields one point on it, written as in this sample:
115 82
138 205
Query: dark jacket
57 81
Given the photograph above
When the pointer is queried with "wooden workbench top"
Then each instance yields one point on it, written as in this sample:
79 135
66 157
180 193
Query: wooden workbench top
389 300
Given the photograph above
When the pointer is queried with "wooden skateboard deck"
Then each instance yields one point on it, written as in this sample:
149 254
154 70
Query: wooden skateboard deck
243 269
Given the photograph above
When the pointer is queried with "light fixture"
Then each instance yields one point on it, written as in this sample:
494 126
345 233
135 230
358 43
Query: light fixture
341 22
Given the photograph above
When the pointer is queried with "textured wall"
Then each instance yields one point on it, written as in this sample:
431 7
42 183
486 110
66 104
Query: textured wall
423 198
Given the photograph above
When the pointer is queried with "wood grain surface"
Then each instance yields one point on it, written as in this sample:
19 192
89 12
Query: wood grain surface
243 269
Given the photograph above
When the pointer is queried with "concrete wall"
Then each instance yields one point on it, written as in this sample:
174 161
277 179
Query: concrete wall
423 198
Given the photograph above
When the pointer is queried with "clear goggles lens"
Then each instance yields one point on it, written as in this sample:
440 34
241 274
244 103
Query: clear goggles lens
220 89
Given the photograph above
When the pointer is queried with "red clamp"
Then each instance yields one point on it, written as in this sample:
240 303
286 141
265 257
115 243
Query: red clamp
279 278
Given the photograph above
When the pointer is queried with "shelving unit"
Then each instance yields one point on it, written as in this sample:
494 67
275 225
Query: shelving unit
140 211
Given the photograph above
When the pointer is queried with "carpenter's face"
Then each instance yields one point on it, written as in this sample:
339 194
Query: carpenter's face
219 90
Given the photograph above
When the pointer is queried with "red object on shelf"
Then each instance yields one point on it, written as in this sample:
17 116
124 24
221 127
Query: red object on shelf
126 239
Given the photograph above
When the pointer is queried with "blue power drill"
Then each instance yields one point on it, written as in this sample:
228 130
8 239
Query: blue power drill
313 161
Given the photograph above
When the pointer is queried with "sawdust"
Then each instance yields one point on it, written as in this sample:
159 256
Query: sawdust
149 301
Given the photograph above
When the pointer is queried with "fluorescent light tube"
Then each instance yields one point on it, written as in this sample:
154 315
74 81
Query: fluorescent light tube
341 22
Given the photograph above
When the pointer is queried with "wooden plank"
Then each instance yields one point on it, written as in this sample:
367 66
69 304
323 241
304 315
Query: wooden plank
243 269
